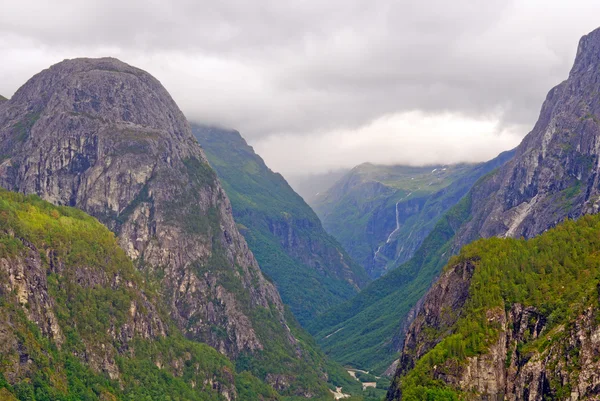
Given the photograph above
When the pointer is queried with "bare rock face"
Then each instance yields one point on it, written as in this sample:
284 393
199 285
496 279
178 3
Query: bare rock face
555 173
26 277
106 137
569 368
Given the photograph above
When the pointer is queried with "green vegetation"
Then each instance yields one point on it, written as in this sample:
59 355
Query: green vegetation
369 321
360 209
21 130
306 269
91 286
367 327
557 273
311 270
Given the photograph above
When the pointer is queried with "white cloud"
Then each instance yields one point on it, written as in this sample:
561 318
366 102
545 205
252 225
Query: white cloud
413 138
290 73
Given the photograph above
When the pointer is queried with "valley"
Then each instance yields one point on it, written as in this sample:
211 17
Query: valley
148 252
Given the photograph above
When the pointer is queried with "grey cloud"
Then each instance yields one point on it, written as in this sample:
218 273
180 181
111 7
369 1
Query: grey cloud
299 67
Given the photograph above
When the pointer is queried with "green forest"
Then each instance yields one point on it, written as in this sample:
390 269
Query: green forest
557 273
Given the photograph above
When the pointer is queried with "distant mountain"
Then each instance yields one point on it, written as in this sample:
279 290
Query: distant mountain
554 176
311 270
310 186
382 214
367 327
107 138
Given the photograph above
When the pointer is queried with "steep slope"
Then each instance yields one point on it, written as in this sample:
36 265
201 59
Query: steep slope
3 99
382 214
512 319
78 321
553 175
107 138
555 172
367 327
311 270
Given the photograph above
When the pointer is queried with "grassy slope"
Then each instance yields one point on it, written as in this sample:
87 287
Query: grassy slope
369 322
556 272
262 199
87 314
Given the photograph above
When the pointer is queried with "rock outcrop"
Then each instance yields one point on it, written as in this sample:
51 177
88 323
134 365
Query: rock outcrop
107 138
78 321
555 173
568 367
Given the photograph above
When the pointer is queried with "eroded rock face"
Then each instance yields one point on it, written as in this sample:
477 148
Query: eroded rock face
555 172
568 368
106 137
26 277
439 310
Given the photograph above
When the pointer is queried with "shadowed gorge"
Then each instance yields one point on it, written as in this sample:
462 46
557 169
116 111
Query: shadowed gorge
311 270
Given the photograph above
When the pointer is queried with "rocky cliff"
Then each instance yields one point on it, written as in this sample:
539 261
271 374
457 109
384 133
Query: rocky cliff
553 175
107 138
311 270
78 321
555 172
484 332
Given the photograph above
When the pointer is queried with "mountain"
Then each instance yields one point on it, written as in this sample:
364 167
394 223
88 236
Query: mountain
365 331
310 269
382 214
512 319
107 138
3 99
554 174
79 321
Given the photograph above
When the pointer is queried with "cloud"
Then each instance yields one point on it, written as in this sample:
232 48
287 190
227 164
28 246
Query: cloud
415 138
284 72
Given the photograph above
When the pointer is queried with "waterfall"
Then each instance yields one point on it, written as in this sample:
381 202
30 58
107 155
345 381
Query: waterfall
390 237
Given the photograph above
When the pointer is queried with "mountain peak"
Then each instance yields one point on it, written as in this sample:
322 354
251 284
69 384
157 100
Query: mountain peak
588 53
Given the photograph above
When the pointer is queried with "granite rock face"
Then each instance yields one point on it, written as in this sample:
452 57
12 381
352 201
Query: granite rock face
555 172
107 138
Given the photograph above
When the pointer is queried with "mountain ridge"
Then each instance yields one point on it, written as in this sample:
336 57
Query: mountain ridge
368 327
382 213
311 270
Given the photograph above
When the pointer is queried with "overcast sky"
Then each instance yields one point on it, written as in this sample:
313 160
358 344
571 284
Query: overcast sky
316 85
